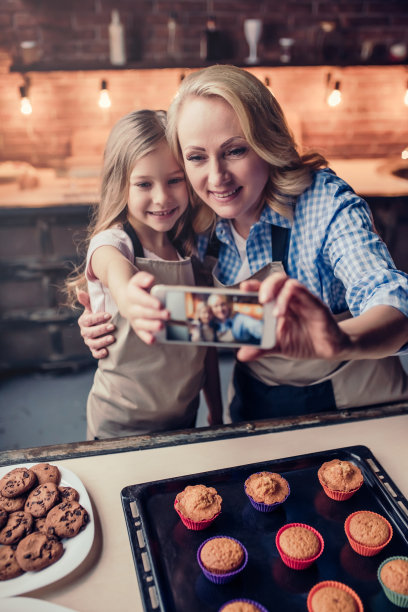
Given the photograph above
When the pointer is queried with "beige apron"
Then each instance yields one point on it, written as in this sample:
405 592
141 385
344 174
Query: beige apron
355 383
140 388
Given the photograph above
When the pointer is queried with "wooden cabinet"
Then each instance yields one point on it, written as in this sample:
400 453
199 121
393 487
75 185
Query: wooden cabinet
37 251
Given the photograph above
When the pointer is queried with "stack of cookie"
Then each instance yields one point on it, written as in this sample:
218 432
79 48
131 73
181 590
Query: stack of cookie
36 514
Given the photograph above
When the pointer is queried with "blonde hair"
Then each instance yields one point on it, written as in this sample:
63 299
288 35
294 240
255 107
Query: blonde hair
135 135
265 129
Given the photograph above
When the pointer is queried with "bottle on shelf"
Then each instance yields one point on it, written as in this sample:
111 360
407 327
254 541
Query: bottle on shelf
173 37
211 43
117 51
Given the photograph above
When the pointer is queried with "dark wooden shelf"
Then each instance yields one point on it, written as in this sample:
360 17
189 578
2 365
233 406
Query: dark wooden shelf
180 65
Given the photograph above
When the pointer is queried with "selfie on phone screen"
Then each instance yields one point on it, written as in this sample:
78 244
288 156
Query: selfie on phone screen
214 317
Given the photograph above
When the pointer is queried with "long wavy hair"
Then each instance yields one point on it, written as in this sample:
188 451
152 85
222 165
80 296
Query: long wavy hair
135 135
265 129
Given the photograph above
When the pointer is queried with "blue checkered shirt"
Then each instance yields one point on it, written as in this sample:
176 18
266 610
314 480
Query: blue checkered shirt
333 249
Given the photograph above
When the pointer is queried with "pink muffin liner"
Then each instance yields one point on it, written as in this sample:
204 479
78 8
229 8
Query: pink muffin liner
227 576
250 601
362 549
298 564
339 585
338 495
398 599
194 525
262 507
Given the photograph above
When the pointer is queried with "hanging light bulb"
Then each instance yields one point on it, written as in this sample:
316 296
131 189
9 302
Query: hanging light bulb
25 104
104 97
334 97
406 96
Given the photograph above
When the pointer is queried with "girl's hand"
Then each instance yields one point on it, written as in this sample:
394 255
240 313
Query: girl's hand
96 328
144 312
305 327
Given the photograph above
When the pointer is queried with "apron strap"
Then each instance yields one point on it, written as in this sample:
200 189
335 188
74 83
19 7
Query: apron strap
280 243
137 245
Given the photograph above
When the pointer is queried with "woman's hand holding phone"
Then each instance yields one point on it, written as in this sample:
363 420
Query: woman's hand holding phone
305 327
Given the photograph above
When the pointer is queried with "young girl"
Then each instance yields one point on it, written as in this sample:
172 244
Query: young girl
142 226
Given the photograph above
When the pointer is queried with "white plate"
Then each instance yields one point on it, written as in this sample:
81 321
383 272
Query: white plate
75 549
28 604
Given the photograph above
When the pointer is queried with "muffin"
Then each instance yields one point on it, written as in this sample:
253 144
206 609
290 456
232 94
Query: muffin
340 479
332 596
367 532
266 490
221 558
242 605
198 506
393 577
299 545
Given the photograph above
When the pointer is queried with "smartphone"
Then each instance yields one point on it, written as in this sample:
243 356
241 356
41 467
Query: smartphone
215 317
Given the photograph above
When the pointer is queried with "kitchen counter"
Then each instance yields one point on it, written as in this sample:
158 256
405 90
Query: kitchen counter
368 177
106 580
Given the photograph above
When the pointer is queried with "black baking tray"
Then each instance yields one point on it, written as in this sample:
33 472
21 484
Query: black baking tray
164 551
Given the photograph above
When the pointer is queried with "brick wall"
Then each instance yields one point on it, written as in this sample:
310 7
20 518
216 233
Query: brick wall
66 121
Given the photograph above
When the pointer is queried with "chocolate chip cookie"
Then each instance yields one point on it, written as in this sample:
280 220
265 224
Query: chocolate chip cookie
12 504
46 472
9 568
68 494
18 525
36 551
66 520
42 499
3 518
39 524
17 482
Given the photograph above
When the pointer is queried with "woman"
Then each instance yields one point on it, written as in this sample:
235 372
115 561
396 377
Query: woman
341 306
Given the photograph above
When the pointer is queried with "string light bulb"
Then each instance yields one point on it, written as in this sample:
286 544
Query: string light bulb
406 96
104 97
25 102
334 97
404 154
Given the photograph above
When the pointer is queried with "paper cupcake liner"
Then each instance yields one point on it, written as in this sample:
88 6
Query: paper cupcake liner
249 601
398 599
262 507
227 576
338 495
362 549
298 564
194 525
339 585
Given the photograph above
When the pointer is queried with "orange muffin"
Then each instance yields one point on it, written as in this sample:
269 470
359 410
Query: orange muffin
299 545
393 577
340 479
266 490
332 596
367 532
198 506
221 558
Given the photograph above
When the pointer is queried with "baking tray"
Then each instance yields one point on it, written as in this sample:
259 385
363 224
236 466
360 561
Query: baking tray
164 551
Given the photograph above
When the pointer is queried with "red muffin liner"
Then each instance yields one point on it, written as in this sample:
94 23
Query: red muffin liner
338 495
194 525
298 564
261 506
339 585
362 549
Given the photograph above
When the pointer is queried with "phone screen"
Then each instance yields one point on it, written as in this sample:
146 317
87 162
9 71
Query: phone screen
214 318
